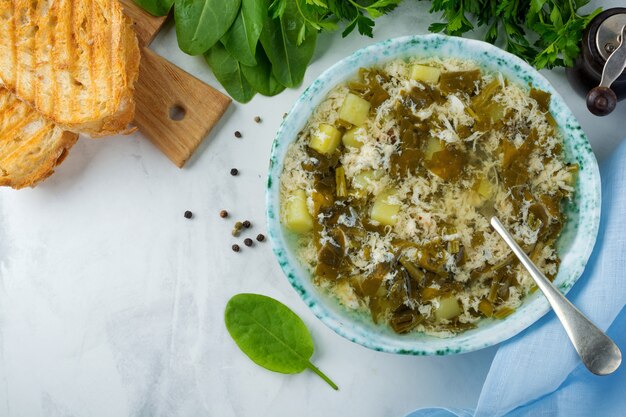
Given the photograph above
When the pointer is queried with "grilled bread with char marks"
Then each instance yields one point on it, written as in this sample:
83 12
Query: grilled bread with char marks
74 61
30 146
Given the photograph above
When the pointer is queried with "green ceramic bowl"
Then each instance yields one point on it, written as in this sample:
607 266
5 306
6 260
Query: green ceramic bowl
574 246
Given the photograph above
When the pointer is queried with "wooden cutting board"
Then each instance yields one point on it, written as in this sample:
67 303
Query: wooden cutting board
175 110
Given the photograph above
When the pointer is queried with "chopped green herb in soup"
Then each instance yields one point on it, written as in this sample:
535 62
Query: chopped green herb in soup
390 186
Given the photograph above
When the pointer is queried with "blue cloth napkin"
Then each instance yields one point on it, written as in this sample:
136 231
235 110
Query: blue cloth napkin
538 372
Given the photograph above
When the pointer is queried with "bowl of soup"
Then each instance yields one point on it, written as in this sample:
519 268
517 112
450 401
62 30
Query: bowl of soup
383 178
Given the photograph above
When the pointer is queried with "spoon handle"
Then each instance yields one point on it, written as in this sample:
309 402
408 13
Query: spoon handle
598 352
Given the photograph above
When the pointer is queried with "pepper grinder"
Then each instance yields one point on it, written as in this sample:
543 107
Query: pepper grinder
600 70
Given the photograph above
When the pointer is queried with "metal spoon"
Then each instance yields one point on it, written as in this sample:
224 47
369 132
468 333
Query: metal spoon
598 352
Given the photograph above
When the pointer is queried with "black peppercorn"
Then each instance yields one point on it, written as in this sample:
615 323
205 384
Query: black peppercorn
247 224
260 237
234 172
257 119
223 214
235 248
238 134
188 214
247 242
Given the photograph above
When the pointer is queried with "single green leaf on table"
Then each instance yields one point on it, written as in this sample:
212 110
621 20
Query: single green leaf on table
279 38
242 38
272 335
156 7
228 72
260 76
201 23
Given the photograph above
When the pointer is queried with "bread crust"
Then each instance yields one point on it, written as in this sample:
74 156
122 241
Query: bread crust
74 61
31 147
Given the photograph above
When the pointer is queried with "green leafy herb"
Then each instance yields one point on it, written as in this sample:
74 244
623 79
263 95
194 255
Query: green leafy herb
228 72
201 23
156 7
272 335
262 45
261 77
560 29
280 37
242 38
283 33
326 14
556 25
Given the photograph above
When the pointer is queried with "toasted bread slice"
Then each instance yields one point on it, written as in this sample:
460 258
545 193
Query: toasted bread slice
74 61
30 146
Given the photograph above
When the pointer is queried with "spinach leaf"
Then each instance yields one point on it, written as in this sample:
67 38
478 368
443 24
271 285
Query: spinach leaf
201 23
227 70
272 335
156 7
280 37
261 77
243 36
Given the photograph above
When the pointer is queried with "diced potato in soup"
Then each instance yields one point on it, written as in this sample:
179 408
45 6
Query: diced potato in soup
485 189
297 216
354 110
433 145
383 210
325 139
448 309
353 138
365 178
425 73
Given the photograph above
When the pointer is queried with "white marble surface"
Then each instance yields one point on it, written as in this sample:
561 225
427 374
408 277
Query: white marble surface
111 303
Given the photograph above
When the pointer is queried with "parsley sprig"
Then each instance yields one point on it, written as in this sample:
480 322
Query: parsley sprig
545 33
329 14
